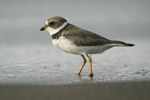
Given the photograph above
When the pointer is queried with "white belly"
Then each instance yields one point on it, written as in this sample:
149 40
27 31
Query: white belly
68 46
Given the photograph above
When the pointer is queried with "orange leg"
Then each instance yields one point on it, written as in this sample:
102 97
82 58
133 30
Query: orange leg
91 72
84 62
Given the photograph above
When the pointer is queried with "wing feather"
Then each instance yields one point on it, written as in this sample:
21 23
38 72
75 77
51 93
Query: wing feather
83 37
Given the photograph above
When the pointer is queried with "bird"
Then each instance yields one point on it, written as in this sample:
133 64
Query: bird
75 40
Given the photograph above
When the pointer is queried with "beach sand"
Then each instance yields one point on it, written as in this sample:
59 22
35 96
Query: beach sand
91 91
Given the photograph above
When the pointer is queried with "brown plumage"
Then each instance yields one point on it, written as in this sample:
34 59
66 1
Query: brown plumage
83 37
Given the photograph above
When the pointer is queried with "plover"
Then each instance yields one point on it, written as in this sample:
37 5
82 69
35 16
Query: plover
75 40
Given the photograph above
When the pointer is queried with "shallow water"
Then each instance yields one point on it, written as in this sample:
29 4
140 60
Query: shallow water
46 64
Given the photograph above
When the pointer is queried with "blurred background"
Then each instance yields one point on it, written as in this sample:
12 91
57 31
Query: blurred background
21 20
26 52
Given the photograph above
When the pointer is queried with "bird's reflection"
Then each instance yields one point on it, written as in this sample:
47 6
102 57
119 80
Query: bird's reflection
83 79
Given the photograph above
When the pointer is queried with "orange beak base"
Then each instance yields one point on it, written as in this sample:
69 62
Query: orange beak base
43 28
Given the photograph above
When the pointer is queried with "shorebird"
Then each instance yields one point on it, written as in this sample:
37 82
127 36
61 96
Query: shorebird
75 40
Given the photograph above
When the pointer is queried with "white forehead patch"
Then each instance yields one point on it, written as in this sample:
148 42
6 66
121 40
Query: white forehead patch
46 23
54 31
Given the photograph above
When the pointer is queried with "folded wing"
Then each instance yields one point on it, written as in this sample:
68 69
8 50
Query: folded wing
84 38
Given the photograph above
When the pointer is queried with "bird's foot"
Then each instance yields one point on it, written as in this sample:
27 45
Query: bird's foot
91 75
78 73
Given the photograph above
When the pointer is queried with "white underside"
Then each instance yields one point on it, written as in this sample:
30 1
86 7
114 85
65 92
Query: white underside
69 47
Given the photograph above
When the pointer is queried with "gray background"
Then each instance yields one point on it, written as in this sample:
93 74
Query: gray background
27 55
21 20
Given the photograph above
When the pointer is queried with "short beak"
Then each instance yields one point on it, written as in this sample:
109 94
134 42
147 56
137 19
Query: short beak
43 28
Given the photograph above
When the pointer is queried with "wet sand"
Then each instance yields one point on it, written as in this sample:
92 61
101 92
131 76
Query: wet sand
91 91
42 77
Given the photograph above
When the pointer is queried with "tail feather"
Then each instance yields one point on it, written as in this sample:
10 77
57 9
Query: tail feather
122 43
129 44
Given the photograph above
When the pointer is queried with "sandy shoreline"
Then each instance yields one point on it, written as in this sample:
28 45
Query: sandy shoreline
93 91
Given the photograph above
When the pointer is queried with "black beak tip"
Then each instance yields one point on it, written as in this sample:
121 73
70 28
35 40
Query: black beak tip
42 29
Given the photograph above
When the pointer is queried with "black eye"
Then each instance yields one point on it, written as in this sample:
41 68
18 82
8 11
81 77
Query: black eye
51 23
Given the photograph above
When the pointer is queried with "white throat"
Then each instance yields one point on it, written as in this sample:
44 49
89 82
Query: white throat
54 31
